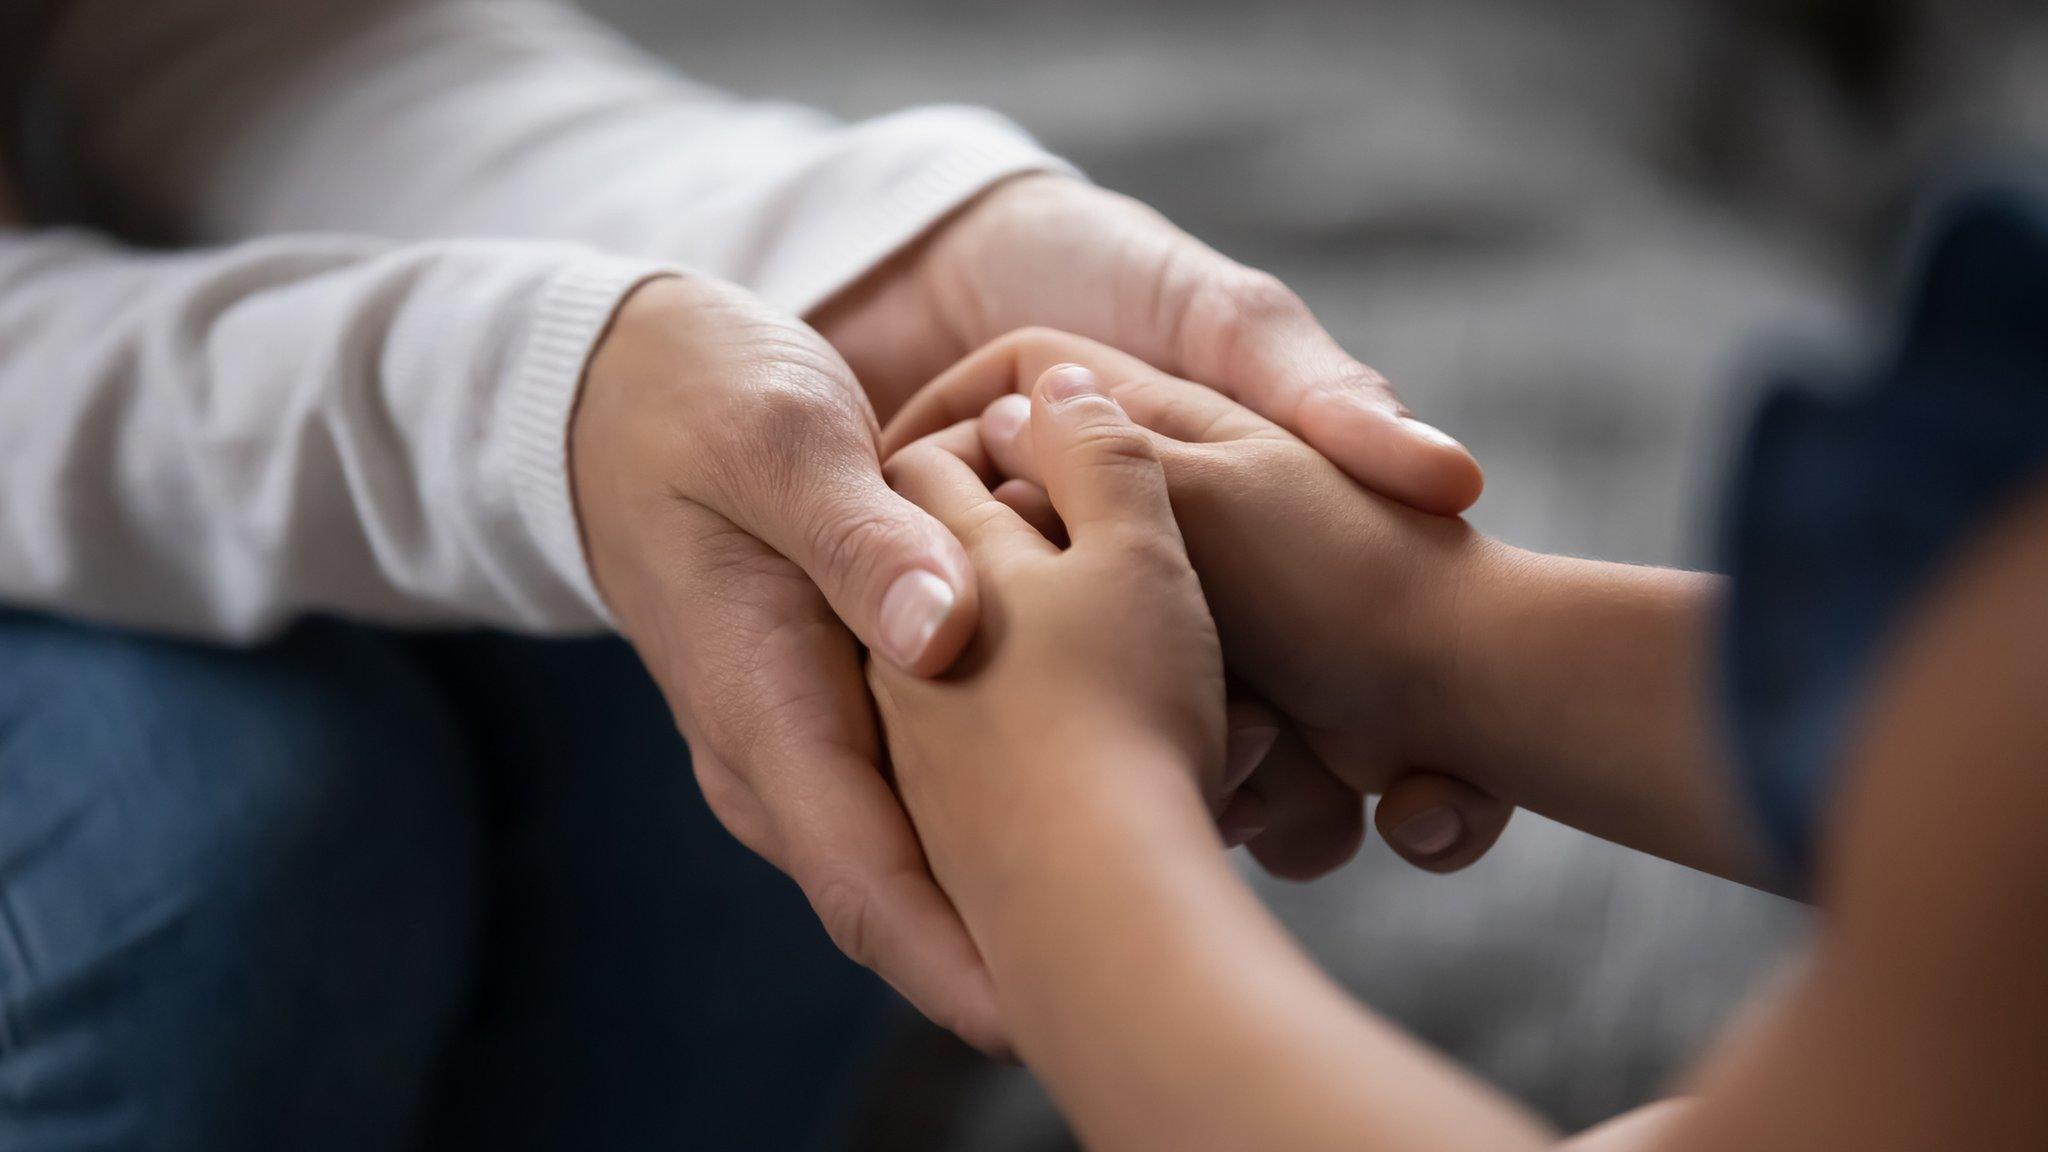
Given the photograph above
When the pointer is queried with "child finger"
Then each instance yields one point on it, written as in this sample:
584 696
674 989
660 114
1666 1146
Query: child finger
1242 820
1100 469
1313 822
1164 403
964 439
943 484
1168 405
1253 728
1439 823
1186 411
1030 502
1006 437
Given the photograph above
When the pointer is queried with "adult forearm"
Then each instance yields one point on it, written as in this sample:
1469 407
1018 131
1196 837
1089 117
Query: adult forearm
416 119
215 441
1583 691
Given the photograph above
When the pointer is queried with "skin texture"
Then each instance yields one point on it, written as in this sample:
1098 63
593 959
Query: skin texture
727 479
1062 787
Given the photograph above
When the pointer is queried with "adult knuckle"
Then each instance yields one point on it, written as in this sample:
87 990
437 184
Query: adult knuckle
790 405
1260 297
714 722
736 806
781 374
1227 311
1356 376
846 908
849 543
785 428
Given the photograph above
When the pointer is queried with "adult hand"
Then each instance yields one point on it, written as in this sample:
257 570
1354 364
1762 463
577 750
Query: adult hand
734 513
733 508
1051 251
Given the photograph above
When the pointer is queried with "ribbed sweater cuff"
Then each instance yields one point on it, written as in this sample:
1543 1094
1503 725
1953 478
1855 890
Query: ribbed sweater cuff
574 312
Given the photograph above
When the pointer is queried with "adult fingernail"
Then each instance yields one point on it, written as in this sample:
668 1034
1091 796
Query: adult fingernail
1064 382
1429 432
912 610
1429 832
1005 419
1244 750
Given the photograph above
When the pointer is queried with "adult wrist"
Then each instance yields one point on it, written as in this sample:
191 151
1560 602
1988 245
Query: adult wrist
571 320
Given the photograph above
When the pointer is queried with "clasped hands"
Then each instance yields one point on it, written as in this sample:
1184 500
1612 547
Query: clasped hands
727 475
1146 548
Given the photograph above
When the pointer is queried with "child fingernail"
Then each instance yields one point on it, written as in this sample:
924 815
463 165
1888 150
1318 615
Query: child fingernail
1242 822
1430 433
1430 832
1243 752
912 611
1064 382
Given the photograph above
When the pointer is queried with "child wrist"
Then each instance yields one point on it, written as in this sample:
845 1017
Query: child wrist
1447 653
1093 798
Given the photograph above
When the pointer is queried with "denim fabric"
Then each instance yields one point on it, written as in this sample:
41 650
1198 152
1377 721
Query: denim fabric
1852 492
348 891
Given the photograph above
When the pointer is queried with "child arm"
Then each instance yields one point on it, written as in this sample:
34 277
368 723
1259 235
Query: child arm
1405 645
1059 783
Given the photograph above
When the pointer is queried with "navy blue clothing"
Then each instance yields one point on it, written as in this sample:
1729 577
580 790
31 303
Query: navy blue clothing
368 893
1851 492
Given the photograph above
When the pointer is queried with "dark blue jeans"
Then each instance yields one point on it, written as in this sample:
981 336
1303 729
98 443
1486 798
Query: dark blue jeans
356 891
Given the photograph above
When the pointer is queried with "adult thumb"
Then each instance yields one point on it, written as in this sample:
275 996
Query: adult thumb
892 573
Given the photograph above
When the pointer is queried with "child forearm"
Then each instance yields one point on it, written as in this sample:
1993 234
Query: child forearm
1583 691
1165 1008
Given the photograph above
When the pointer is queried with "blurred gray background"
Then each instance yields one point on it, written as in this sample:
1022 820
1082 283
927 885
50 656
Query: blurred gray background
1568 232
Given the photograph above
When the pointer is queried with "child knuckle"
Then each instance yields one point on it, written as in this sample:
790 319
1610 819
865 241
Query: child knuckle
1151 551
1118 444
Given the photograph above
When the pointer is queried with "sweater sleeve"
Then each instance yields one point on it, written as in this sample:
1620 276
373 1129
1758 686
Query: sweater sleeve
215 120
213 442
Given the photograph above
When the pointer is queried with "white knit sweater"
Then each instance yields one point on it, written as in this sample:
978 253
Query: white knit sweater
397 228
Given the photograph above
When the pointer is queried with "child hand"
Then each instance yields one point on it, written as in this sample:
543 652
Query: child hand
1332 603
1103 650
